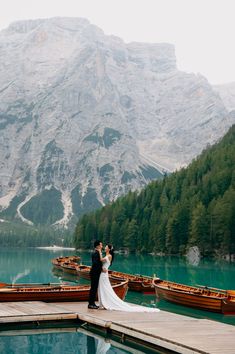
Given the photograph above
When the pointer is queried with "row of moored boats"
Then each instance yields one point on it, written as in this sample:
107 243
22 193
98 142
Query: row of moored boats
202 297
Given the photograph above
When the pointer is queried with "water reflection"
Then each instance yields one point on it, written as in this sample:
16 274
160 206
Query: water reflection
101 348
60 340
91 348
31 264
20 275
193 256
63 276
103 345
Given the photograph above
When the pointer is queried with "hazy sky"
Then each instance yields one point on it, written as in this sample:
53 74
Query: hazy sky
203 31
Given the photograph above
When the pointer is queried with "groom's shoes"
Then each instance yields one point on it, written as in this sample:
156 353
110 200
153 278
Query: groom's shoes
93 307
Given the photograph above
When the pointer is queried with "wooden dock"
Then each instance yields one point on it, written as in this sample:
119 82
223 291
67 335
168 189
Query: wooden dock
170 332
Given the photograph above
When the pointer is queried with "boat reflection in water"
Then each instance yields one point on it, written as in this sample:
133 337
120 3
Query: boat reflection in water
65 276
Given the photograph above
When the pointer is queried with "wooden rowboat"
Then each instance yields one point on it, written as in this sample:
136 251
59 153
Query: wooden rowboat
137 283
84 271
58 261
201 297
53 292
69 267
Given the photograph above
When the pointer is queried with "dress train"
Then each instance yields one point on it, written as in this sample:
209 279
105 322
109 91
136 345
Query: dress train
108 298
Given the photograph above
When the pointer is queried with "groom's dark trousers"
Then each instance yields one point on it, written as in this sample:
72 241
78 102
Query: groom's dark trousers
95 271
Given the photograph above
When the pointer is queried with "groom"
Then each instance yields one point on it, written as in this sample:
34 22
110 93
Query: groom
95 271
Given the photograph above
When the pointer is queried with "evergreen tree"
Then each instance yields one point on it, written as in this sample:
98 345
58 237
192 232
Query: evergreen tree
130 237
193 206
199 233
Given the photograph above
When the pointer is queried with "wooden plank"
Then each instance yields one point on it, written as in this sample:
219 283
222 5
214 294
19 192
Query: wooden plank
158 341
34 318
194 337
30 307
125 316
31 311
182 334
175 331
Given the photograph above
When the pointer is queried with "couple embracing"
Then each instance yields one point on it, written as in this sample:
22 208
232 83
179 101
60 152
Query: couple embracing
100 282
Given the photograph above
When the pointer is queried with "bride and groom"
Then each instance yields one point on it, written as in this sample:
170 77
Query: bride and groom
100 282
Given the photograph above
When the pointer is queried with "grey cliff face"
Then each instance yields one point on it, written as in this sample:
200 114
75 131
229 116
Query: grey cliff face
85 117
227 94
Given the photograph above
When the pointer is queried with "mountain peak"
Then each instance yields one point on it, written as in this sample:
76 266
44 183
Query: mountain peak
69 23
85 117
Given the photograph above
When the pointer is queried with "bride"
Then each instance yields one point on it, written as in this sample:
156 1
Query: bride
106 295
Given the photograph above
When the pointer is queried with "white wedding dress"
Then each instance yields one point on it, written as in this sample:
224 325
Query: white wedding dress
108 298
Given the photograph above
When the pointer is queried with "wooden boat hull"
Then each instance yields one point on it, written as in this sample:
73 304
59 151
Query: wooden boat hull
141 286
84 272
228 305
135 283
59 261
54 292
69 267
196 297
57 264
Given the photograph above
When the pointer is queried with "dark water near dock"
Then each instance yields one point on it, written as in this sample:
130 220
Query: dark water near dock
60 340
34 265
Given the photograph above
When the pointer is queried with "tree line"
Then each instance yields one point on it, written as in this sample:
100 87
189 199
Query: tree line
21 235
192 206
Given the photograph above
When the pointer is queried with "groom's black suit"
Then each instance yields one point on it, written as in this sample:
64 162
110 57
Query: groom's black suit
95 271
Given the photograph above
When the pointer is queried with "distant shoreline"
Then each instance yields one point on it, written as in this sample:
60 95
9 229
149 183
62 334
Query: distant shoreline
55 248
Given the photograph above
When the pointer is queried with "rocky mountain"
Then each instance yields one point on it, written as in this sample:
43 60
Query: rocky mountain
85 117
227 94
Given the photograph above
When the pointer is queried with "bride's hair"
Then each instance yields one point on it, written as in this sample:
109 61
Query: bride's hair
111 251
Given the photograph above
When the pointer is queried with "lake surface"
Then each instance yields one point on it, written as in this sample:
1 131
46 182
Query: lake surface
34 265
60 340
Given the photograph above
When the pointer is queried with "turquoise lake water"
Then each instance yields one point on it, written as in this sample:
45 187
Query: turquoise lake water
34 265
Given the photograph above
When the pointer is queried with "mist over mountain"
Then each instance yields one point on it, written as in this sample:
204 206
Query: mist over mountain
85 117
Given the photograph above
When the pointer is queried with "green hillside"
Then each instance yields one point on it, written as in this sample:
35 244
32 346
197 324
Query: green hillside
193 206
